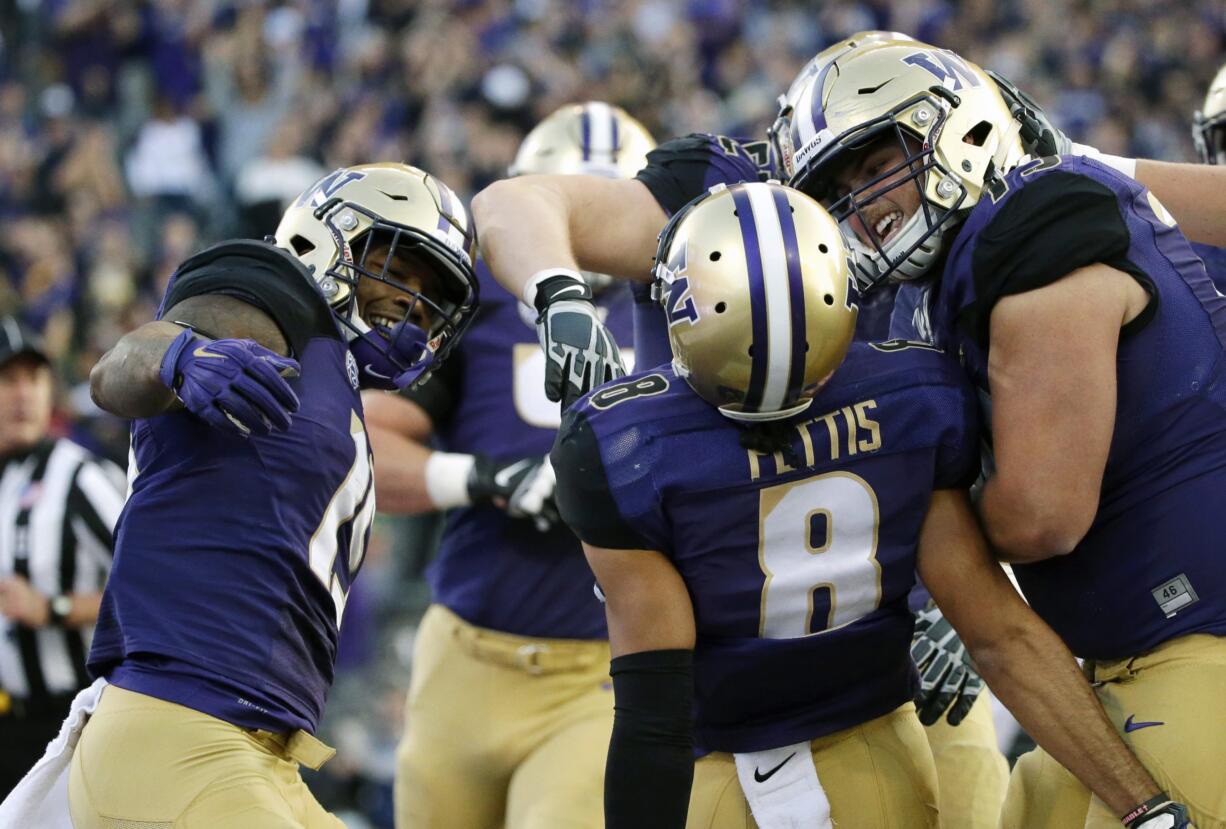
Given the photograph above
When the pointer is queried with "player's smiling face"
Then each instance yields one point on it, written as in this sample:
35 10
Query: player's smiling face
880 218
384 305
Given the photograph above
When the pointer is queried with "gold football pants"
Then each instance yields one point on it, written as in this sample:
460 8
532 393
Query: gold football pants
1170 706
503 731
144 763
972 774
878 775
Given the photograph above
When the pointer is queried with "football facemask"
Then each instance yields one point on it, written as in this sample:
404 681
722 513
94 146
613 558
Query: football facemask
951 133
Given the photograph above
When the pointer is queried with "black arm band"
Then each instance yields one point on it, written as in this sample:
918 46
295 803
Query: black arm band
651 753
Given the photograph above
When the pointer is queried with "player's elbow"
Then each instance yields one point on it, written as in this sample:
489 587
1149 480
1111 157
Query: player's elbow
1029 524
1042 529
98 382
498 201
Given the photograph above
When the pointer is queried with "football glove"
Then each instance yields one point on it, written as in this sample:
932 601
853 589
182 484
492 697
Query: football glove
1040 137
1159 813
522 488
234 385
580 354
947 680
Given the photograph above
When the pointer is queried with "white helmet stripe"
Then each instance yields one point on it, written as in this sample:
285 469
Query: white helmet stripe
802 115
601 142
773 252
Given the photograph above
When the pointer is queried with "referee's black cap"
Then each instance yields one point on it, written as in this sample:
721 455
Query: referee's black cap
16 340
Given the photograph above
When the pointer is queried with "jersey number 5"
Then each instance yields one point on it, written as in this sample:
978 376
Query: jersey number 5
819 534
339 544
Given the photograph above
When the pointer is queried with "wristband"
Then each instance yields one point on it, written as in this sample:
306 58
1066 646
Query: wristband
447 479
1154 803
540 276
1127 166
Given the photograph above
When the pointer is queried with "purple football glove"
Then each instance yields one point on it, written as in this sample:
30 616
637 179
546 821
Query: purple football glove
394 362
233 385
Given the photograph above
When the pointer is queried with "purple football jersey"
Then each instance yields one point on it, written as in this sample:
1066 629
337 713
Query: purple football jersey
492 570
1215 263
1151 566
234 556
798 563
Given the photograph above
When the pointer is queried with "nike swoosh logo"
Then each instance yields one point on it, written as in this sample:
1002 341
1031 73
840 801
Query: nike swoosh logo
1130 726
503 477
370 370
200 352
762 778
568 289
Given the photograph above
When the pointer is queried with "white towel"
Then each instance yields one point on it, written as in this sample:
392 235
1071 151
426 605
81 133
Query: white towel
41 798
782 788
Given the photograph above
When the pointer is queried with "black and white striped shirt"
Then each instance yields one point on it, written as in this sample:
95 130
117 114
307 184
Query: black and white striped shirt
58 508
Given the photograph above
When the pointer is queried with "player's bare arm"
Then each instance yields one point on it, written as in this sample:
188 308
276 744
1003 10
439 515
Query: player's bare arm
398 431
646 601
1194 193
1023 660
1053 378
127 380
533 223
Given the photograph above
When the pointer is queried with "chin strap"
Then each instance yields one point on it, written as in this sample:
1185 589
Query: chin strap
395 362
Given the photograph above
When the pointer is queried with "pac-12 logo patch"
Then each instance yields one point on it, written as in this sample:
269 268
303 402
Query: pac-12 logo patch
351 367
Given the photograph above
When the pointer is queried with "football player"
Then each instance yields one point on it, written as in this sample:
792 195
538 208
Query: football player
1095 338
540 229
509 708
251 497
755 513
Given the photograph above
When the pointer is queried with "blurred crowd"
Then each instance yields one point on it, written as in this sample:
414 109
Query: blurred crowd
133 132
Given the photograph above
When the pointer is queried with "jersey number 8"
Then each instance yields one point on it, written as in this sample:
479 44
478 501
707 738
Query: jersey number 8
817 534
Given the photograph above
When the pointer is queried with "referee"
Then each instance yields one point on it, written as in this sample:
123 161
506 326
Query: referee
58 505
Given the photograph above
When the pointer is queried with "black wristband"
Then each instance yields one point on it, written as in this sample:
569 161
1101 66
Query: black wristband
481 480
563 283
1152 805
651 753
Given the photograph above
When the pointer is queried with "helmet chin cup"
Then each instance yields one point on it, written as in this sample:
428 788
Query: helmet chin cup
394 363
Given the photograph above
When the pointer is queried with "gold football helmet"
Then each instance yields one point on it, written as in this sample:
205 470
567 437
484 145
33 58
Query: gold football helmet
592 138
947 117
337 222
1209 124
787 102
756 286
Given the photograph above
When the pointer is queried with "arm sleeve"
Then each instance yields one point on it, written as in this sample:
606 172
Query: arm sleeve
440 394
263 276
585 495
1053 225
651 751
681 170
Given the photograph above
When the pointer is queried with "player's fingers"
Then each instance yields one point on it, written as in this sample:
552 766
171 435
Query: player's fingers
556 372
267 376
221 420
280 362
264 403
963 705
244 414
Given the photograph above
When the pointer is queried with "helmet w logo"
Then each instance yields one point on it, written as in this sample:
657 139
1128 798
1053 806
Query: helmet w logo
949 69
328 185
